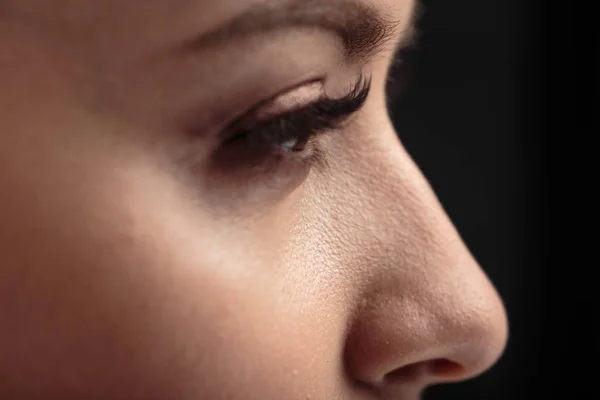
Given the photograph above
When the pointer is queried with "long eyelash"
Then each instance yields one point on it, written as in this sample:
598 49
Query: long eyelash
323 115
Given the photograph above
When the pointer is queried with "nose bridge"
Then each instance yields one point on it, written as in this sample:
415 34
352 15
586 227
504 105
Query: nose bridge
429 301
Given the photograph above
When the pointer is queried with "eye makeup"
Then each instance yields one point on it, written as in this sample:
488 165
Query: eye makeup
287 126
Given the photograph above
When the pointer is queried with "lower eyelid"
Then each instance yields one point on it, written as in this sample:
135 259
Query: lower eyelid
274 174
240 158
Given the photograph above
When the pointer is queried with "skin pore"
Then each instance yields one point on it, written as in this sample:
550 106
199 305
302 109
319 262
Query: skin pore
207 200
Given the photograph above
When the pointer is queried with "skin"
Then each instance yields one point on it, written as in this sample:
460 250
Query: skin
134 266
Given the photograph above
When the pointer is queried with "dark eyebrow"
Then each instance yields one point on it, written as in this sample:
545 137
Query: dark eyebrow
363 29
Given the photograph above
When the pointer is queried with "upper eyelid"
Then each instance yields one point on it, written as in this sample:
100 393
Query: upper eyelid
323 107
252 111
244 115
291 100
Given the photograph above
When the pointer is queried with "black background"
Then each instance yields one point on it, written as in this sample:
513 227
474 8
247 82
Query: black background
471 113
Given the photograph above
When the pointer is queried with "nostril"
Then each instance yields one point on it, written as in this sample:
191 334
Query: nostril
407 373
446 369
439 370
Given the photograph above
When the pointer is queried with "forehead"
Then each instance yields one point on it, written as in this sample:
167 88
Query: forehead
158 13
129 29
114 27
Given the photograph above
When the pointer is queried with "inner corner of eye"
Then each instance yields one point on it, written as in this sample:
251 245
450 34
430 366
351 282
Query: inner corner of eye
293 99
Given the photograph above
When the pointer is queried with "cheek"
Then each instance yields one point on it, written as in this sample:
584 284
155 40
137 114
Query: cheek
123 290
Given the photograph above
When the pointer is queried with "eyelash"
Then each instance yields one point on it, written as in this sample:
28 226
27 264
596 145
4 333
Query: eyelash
260 139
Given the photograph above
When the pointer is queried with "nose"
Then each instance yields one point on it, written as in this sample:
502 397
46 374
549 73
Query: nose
438 332
428 313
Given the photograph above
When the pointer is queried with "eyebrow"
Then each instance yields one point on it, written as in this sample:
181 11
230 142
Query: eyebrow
364 30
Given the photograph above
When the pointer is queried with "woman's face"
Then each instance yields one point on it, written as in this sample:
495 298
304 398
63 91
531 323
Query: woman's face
207 200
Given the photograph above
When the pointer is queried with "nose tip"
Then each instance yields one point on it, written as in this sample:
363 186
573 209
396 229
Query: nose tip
396 345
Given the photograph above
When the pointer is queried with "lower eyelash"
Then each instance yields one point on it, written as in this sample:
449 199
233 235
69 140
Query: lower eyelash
319 158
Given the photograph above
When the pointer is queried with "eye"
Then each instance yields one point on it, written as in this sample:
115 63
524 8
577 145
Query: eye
294 144
260 134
